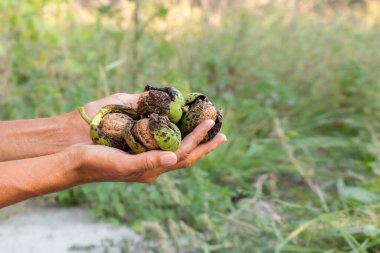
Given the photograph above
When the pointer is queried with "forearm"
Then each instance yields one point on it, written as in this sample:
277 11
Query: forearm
37 137
27 178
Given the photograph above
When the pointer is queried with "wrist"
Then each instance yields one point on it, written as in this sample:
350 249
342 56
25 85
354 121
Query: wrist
43 136
73 129
74 158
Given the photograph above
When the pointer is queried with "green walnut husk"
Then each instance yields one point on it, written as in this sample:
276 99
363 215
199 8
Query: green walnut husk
107 127
197 109
162 101
152 133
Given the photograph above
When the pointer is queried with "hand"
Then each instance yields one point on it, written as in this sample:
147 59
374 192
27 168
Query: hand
101 163
129 100
44 136
80 129
63 157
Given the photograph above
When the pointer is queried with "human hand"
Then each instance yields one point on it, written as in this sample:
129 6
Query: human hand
129 100
44 136
101 163
80 130
65 156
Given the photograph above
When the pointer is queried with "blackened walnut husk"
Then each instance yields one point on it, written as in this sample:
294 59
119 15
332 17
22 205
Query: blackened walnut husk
167 101
153 101
200 108
152 133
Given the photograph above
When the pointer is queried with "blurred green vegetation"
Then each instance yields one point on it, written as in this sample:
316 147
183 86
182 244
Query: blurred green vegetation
299 85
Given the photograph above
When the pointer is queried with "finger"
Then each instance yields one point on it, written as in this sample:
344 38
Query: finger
199 152
129 100
194 138
111 164
152 160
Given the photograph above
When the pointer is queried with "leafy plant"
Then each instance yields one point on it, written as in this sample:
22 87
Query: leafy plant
299 87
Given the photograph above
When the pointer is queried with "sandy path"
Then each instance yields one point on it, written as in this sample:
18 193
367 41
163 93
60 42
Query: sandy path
56 229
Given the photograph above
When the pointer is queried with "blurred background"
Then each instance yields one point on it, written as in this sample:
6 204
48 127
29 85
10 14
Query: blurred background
299 83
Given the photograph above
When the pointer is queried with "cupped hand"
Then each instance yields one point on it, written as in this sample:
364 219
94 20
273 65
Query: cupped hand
129 100
80 133
101 163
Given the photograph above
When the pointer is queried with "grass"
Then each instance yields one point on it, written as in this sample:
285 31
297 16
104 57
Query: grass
299 86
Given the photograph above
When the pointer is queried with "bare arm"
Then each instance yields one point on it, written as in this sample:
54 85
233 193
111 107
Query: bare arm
23 179
37 137
21 139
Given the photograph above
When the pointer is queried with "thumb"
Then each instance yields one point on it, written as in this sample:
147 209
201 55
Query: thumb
153 159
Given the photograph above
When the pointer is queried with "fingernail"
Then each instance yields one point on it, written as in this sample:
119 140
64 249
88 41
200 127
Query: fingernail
168 159
224 137
210 122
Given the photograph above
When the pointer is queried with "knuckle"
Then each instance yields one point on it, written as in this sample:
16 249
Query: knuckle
118 95
197 136
149 164
185 155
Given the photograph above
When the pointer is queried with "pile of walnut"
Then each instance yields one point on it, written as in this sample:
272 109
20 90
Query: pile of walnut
163 117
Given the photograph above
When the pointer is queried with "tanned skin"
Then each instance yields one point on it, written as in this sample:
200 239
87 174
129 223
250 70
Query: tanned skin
40 156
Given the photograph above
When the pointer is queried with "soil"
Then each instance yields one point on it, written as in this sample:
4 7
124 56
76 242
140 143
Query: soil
46 229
